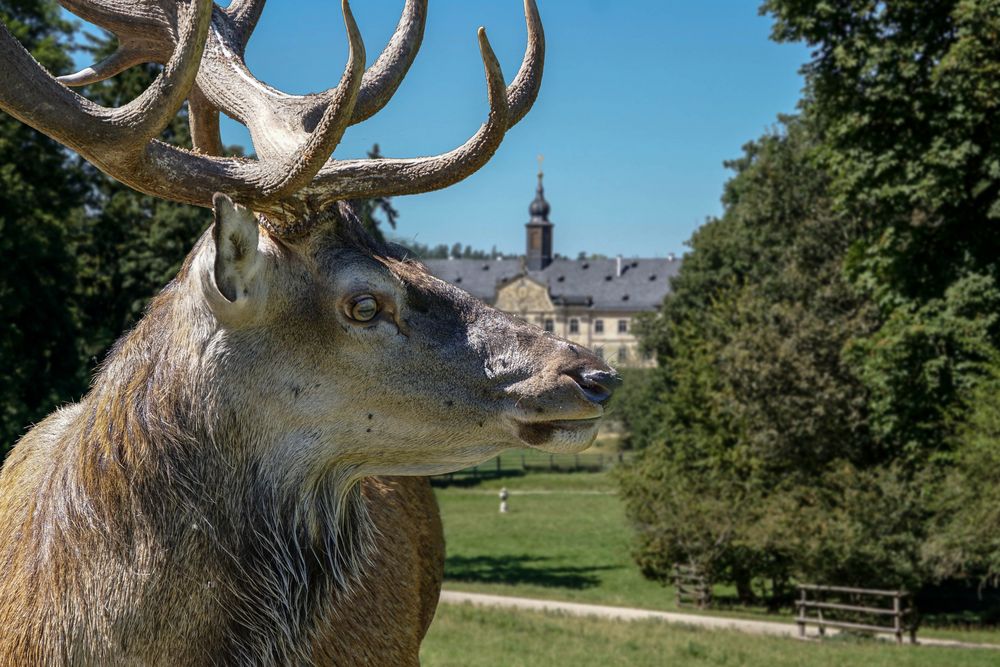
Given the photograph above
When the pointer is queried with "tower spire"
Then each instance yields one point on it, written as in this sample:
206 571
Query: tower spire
540 208
539 229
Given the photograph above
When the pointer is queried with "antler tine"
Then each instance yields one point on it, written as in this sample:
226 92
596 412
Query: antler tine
354 179
153 110
126 16
278 122
203 119
143 30
119 61
523 90
384 76
245 14
386 73
104 136
287 177
140 28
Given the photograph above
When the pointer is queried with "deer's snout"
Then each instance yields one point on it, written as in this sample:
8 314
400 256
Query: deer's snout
597 384
559 407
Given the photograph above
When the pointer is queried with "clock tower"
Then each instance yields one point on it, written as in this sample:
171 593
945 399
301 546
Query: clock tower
539 230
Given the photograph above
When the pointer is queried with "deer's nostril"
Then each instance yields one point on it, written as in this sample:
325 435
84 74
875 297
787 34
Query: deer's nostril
597 385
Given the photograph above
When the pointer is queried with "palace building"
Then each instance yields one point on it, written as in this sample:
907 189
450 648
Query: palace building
589 301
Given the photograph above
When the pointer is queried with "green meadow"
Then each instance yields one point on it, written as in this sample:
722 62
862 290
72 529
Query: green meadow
465 636
566 538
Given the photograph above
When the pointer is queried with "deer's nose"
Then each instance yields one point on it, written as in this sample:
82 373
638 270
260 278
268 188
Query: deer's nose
597 385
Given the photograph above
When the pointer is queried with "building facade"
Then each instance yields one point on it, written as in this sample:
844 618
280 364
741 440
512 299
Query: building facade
592 302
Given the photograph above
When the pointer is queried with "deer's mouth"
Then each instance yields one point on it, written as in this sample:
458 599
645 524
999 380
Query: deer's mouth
559 435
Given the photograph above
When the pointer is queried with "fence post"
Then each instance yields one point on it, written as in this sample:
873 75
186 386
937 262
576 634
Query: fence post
523 467
576 462
498 464
819 614
552 462
800 617
897 619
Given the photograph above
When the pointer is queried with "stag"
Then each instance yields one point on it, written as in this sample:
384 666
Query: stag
242 484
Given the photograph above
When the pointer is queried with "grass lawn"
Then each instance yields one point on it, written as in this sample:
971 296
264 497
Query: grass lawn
566 538
464 636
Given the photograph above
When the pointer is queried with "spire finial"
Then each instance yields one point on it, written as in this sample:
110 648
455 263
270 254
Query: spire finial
539 207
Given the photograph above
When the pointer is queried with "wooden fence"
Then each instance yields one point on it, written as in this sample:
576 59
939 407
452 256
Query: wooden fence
533 461
851 612
693 587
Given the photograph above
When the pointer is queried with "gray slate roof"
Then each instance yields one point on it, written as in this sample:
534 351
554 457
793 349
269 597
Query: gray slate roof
594 283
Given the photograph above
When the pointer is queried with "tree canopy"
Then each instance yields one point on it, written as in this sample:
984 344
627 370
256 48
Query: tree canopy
41 198
822 408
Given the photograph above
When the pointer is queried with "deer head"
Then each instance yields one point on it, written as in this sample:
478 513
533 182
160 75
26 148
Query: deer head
314 346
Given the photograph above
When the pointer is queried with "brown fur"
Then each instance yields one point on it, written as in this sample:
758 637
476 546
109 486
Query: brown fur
386 618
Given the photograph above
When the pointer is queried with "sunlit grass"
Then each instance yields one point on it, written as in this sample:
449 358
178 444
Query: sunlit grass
566 538
464 636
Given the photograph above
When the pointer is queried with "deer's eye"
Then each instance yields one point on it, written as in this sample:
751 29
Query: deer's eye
362 308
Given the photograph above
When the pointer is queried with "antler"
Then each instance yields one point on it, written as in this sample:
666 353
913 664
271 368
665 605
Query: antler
293 136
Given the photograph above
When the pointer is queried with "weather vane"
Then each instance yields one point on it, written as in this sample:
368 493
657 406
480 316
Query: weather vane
541 159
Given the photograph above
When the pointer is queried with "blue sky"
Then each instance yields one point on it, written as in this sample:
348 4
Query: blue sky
641 102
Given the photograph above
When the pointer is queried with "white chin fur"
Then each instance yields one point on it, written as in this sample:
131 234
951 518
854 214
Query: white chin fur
568 440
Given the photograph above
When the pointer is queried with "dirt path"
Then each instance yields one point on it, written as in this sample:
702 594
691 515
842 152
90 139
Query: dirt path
773 628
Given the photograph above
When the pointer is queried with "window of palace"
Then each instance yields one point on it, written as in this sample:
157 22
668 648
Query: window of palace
550 326
598 326
622 354
574 326
622 326
599 351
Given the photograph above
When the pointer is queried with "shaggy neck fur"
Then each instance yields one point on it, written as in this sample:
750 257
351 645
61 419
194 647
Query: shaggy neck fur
159 498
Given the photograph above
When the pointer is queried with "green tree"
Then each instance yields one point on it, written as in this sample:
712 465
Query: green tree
965 540
755 404
905 95
130 245
824 354
40 197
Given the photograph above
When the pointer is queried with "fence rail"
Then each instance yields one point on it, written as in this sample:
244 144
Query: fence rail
517 462
854 614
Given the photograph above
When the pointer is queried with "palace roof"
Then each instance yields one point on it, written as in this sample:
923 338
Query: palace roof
593 283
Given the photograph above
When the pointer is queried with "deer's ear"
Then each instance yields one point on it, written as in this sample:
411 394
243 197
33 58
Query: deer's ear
236 255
